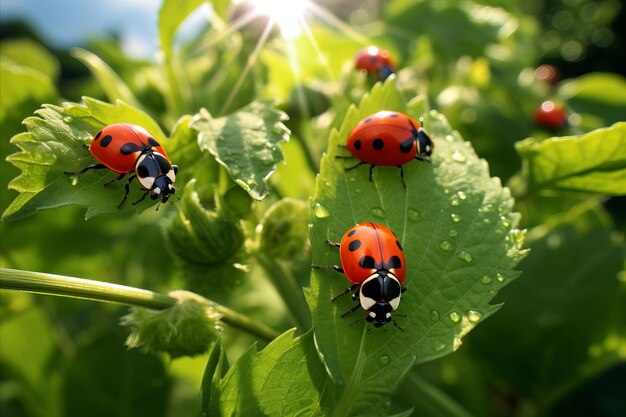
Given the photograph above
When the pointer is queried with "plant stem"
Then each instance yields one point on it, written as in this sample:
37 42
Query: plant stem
418 391
288 288
86 289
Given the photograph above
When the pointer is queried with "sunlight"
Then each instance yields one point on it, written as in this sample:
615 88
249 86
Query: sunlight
286 14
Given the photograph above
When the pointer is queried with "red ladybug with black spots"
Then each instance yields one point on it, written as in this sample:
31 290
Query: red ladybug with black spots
130 149
372 259
389 138
374 60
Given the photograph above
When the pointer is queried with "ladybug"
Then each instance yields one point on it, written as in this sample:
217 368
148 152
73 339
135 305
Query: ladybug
388 138
375 61
372 259
130 149
550 116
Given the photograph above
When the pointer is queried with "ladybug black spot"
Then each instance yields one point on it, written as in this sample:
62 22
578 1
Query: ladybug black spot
106 141
351 232
373 59
378 144
354 245
153 142
369 119
399 245
395 262
394 115
98 135
407 145
357 144
129 148
367 262
142 171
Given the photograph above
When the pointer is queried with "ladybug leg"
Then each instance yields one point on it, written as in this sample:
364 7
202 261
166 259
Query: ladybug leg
402 290
126 190
87 168
402 176
328 267
371 170
357 165
352 310
140 199
351 288
333 244
119 177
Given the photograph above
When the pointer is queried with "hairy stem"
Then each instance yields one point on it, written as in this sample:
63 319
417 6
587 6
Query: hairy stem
49 284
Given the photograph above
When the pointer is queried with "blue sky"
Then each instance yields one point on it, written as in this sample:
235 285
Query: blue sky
68 23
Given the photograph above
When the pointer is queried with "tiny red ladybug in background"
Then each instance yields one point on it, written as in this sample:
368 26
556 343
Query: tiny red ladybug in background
388 138
375 61
126 148
372 259
550 116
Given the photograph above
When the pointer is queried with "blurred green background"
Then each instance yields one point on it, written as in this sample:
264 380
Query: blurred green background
557 347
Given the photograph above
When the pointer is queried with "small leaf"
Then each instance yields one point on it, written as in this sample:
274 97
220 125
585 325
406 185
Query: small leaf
28 53
595 162
452 220
245 143
54 144
112 85
284 379
171 16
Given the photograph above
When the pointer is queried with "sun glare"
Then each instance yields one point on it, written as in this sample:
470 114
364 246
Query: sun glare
288 15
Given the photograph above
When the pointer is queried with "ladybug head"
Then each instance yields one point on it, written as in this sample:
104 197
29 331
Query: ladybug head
425 145
156 174
379 314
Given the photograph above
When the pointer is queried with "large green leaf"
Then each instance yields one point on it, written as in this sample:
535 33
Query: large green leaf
31 54
563 320
595 162
246 143
111 83
597 94
457 229
54 144
284 379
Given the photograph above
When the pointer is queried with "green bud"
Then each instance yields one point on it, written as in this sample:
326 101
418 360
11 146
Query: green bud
283 232
202 236
187 328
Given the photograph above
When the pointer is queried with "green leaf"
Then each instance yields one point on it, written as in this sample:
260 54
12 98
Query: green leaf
595 162
245 143
112 85
284 379
457 229
54 144
596 94
22 87
563 320
28 53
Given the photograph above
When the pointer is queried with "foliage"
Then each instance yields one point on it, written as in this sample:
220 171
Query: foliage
256 129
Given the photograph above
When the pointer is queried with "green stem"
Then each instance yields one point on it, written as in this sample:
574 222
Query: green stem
421 393
288 288
86 289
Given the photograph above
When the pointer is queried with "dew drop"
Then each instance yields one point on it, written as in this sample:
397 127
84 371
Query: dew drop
413 215
487 221
457 156
265 156
67 119
461 195
473 316
445 245
434 315
450 138
74 180
453 233
505 222
438 347
234 171
455 202
492 293
258 142
486 279
352 179
358 190
465 256
455 217
455 317
378 212
500 277
251 181
384 360
320 211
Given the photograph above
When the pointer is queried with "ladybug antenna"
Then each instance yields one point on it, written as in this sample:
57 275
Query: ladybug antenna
396 324
158 205
421 121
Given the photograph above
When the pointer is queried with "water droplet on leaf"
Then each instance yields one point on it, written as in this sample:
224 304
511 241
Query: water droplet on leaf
461 195
438 347
453 233
473 316
465 256
378 212
434 315
457 156
445 245
455 217
67 119
486 279
384 360
455 317
320 211
413 215
500 277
